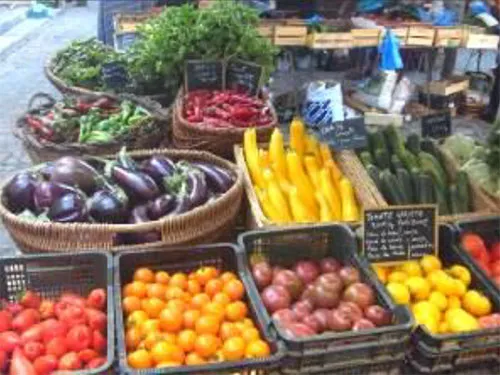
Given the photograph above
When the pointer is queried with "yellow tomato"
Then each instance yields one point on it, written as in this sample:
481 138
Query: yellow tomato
397 277
454 302
425 309
430 263
460 321
399 293
419 287
443 328
439 299
382 273
476 303
411 268
461 273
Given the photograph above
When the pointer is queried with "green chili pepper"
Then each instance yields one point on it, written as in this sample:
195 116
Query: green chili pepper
97 136
127 109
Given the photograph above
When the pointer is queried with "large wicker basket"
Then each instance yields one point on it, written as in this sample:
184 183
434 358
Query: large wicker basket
203 224
154 132
220 141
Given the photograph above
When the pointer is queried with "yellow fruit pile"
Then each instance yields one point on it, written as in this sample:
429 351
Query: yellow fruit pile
302 184
439 298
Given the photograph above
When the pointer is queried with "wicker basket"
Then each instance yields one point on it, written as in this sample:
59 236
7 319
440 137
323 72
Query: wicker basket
203 224
153 133
365 193
217 140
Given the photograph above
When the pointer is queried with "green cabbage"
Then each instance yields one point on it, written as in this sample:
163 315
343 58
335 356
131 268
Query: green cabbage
460 146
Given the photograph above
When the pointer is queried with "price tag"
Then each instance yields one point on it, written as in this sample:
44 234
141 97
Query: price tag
243 76
399 233
204 74
343 135
437 125
114 75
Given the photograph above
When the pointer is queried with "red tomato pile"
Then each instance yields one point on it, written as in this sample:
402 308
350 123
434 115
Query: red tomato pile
487 258
226 109
39 336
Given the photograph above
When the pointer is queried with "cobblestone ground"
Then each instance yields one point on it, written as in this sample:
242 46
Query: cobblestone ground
21 76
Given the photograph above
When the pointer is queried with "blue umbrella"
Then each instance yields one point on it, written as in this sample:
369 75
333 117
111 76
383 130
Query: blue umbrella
390 57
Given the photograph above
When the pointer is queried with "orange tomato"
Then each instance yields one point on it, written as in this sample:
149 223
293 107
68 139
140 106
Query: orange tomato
153 307
207 324
257 349
156 290
236 311
168 364
154 338
162 277
214 286
174 292
199 300
250 334
228 276
131 304
234 289
177 304
133 338
136 319
221 298
150 326
167 352
228 330
144 274
179 279
190 317
215 309
135 288
171 320
193 287
140 359
234 349
204 274
206 345
193 359
186 340
247 322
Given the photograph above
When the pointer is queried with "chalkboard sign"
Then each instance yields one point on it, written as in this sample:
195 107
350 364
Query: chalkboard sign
114 75
204 74
437 125
399 233
243 76
343 135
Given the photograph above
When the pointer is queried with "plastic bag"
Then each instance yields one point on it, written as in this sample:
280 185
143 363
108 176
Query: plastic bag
369 6
324 103
390 56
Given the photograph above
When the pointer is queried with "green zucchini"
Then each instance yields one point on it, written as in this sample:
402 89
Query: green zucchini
454 200
442 201
405 181
409 160
429 164
374 173
396 162
425 189
366 158
413 143
415 172
431 147
382 159
463 187
378 142
391 188
394 140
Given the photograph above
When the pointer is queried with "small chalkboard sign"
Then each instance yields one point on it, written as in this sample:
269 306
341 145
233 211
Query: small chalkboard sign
437 125
204 74
114 75
399 233
243 76
343 135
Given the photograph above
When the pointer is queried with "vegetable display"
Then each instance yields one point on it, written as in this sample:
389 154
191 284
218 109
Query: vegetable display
96 121
440 299
40 336
414 172
225 109
185 319
313 297
302 184
487 256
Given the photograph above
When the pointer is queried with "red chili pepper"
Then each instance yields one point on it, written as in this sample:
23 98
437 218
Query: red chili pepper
104 103
82 107
39 127
216 123
243 113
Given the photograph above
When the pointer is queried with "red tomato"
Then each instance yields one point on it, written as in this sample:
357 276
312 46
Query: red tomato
485 267
57 347
483 256
97 299
20 365
495 252
496 281
34 333
99 342
9 341
25 319
31 300
46 364
73 299
87 355
70 314
5 321
47 309
53 328
472 243
96 363
32 350
487 321
96 319
70 361
79 338
495 268
14 308
3 360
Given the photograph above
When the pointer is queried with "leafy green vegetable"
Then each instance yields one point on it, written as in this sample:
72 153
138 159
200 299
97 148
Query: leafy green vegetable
460 146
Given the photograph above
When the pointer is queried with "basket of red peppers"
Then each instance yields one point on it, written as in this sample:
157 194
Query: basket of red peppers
90 126
215 120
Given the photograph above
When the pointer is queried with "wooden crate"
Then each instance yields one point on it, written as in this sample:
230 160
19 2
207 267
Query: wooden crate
290 35
330 40
295 22
448 86
128 22
266 31
366 37
449 37
482 41
420 36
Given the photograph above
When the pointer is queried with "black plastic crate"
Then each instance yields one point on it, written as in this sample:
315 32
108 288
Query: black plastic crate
52 274
285 246
187 259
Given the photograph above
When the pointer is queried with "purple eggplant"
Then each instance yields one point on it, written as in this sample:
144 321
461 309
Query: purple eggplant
158 167
19 192
138 185
196 188
182 204
69 208
139 215
46 192
219 180
73 171
125 161
106 207
161 206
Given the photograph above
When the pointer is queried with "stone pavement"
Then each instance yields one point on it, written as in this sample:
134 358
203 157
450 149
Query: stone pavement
21 76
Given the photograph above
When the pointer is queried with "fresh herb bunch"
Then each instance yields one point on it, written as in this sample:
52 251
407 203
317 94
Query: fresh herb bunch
227 29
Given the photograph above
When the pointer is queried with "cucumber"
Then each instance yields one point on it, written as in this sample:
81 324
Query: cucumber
405 181
409 160
415 172
374 173
396 162
463 187
441 198
454 200
391 188
378 142
366 158
394 140
413 143
431 147
382 159
425 189
429 164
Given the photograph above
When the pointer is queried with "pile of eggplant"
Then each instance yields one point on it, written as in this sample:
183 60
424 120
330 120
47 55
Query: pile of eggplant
118 191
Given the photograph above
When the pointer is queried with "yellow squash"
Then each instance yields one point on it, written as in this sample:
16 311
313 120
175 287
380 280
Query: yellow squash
325 152
298 137
277 154
312 148
300 211
271 212
276 196
350 210
264 159
299 178
335 171
325 214
312 169
331 194
251 152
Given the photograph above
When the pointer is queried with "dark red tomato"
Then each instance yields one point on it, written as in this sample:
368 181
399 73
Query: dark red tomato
34 333
25 319
14 308
9 341
57 347
53 328
495 268
70 314
495 252
47 309
96 363
473 243
87 355
96 319
483 256
5 321
73 299
30 300
32 350
3 360
97 299
79 338
70 361
20 365
46 365
99 342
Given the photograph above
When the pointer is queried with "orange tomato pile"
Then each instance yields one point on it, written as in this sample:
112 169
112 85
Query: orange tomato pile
188 319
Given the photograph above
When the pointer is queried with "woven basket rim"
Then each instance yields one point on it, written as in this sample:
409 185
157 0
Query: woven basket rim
6 214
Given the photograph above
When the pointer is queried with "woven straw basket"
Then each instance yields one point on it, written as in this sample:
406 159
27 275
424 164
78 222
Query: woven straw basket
152 133
220 141
203 224
346 161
